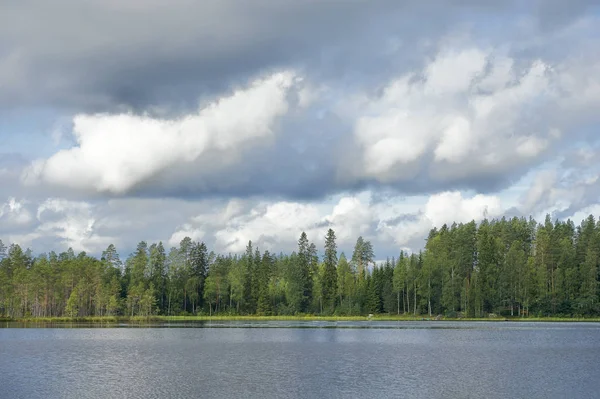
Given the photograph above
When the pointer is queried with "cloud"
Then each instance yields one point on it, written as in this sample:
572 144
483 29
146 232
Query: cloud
226 121
114 153
72 222
226 225
469 114
186 231
390 224
470 118
276 225
561 191
13 213
58 223
143 54
442 208
267 225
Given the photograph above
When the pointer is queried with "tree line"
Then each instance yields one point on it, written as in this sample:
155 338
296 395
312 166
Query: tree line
513 267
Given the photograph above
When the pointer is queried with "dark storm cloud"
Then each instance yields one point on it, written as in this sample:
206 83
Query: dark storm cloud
104 54
108 55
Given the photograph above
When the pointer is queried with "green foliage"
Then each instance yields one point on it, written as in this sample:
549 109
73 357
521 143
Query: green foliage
362 256
72 308
345 285
512 268
329 281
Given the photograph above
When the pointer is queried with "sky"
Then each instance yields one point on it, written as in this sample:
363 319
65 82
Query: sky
229 120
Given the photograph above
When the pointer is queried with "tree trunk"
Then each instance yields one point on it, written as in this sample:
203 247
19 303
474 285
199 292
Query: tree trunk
415 299
429 296
321 304
169 310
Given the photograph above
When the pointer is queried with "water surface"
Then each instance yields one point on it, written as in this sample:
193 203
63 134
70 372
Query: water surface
297 359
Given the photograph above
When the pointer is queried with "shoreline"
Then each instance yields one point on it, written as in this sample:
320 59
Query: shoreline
167 319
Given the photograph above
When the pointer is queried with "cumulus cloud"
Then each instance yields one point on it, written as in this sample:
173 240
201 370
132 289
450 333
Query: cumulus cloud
391 224
441 208
471 112
114 153
57 225
72 222
13 213
561 191
276 225
187 230
471 118
267 225
452 207
452 120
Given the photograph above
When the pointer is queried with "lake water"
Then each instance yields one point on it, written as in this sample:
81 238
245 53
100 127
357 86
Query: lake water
303 360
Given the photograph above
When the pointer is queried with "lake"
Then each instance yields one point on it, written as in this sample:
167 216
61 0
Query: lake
299 359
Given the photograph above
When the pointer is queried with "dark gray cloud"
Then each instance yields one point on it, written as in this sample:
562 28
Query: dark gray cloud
104 54
107 55
553 13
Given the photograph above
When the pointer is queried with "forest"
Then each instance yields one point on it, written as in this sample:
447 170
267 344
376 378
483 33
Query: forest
510 267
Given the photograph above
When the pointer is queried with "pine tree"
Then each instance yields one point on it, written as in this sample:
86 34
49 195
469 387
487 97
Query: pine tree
304 263
345 281
330 274
263 306
158 272
139 264
373 302
199 268
362 256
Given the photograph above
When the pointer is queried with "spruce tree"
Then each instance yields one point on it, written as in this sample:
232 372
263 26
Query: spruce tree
330 273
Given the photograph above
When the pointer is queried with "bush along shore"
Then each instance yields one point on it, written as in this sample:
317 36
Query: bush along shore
200 318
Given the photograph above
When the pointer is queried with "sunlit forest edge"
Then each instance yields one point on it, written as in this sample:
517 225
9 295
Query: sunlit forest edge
506 269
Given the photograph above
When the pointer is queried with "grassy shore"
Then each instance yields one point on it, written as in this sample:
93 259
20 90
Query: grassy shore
167 319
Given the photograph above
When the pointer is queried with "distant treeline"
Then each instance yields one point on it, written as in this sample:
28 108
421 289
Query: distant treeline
511 267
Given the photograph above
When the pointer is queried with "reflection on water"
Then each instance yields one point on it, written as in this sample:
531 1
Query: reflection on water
318 324
302 360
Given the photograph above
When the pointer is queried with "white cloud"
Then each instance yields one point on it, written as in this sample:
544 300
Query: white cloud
538 192
531 146
114 153
453 71
441 208
308 93
469 109
267 224
71 221
186 231
456 141
451 207
58 221
556 189
468 118
277 225
350 217
582 214
14 213
390 223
